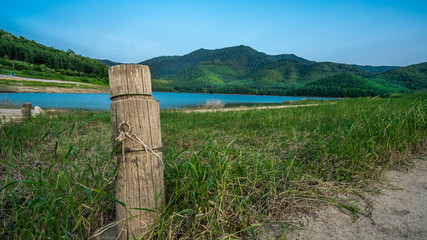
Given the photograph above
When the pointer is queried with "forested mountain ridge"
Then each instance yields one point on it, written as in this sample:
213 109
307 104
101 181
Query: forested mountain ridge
293 71
244 70
268 78
347 85
29 58
239 56
413 77
169 65
375 69
108 62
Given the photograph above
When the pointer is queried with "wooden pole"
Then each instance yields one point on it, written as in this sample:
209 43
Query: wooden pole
26 110
139 181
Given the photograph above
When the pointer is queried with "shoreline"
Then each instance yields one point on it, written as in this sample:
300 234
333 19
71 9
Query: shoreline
58 90
237 94
95 91
19 88
18 78
15 84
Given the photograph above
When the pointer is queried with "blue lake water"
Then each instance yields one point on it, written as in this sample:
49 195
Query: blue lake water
166 100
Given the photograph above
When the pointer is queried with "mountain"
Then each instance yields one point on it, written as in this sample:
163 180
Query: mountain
107 62
296 72
291 57
240 69
160 59
28 58
280 75
346 85
244 70
375 69
413 77
239 56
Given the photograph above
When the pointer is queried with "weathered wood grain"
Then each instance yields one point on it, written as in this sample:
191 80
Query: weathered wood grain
139 181
26 110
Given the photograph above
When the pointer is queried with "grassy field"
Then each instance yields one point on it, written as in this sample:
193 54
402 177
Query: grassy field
227 174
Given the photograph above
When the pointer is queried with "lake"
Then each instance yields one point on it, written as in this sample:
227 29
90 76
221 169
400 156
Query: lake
167 100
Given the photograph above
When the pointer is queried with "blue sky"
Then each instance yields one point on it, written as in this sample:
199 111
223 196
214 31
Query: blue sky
360 32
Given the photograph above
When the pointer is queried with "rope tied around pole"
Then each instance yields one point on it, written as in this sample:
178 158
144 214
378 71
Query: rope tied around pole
123 134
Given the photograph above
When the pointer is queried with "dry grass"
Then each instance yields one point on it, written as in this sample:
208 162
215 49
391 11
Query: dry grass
214 104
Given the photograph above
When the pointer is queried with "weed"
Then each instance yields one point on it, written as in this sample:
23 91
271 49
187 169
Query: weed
214 104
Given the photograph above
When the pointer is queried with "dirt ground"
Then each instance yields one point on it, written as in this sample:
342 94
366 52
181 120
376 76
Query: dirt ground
54 90
79 87
398 212
7 114
8 77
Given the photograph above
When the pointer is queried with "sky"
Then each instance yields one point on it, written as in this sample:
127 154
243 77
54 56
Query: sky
364 32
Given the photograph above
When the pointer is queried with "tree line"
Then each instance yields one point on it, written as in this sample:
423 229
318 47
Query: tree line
39 57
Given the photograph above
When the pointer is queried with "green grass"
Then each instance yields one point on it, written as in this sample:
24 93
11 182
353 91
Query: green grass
226 173
51 164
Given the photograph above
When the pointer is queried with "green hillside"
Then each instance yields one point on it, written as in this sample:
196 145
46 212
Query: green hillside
375 69
347 85
244 70
297 72
291 57
266 78
107 62
28 58
413 77
240 56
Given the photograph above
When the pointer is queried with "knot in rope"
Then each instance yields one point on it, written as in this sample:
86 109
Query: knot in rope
125 132
122 133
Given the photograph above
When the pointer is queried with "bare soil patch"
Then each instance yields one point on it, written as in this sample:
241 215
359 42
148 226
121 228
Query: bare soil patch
398 212
57 90
18 86
8 114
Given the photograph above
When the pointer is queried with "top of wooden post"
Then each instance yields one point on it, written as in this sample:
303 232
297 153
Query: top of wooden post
129 79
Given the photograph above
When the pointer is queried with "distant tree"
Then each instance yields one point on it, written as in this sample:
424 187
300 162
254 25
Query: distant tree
71 53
